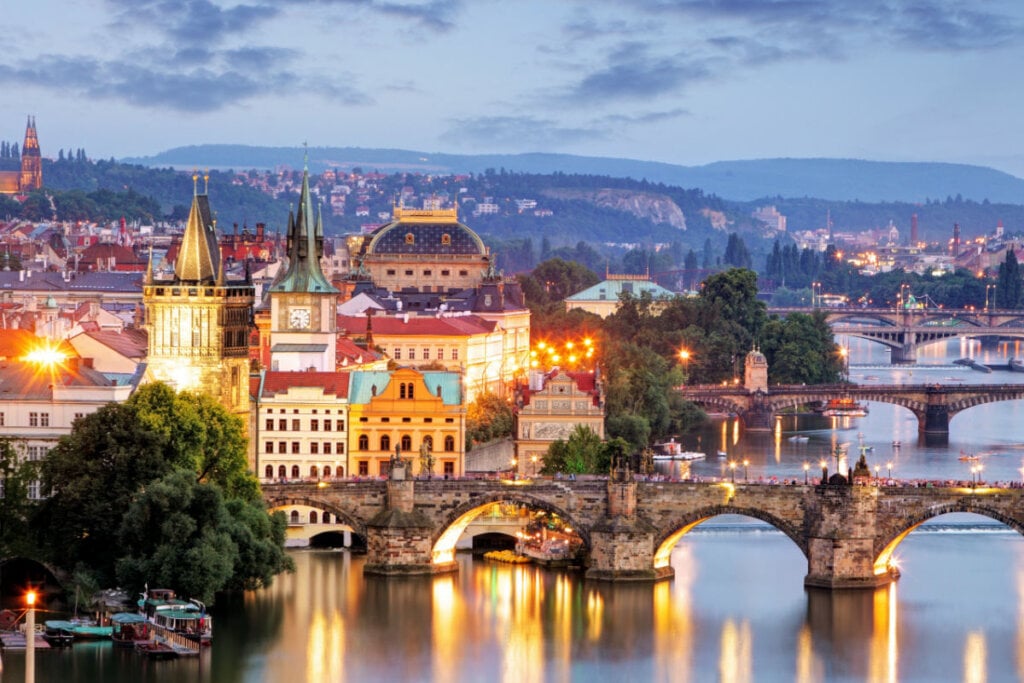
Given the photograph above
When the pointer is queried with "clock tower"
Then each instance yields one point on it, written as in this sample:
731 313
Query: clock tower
303 304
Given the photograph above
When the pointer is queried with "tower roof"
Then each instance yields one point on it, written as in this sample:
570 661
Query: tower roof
305 247
199 257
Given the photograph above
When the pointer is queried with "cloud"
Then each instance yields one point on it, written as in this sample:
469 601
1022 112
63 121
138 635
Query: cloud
437 15
632 72
649 117
517 132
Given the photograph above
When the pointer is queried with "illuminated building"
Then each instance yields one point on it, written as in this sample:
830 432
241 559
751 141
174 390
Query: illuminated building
550 406
303 304
198 321
30 176
603 298
403 411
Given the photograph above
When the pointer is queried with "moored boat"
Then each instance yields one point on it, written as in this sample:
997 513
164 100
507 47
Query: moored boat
163 608
129 628
58 632
843 407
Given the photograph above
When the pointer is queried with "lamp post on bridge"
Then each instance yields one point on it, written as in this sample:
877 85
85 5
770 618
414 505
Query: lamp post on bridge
807 466
888 468
824 471
989 303
746 463
732 470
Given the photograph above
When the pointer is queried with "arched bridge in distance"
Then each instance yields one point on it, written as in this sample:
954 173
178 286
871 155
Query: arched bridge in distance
934 405
847 533
904 330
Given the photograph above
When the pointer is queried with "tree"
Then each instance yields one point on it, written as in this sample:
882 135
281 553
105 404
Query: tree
16 509
488 417
1008 282
581 453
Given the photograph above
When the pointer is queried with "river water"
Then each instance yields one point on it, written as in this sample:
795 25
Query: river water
735 612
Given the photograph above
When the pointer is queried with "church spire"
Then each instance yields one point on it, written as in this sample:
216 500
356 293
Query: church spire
199 256
305 247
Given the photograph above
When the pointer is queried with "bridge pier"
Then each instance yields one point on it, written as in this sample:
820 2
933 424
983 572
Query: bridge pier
936 420
399 540
841 534
903 355
622 544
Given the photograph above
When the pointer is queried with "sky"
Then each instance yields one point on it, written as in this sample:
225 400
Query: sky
679 81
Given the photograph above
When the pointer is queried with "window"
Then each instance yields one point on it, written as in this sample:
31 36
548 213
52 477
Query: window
37 452
446 272
33 419
341 425
312 517
282 425
428 441
77 416
270 425
295 472
428 273
295 448
327 473
455 354
314 425
34 490
364 468
428 420
426 353
406 443
398 353
449 468
391 271
327 515
327 425
2 423
269 472
463 273
412 354
282 446
314 472
364 442
406 419
408 273
282 472
340 450
314 448
296 426
385 443
385 419
269 447
294 517
449 444
327 447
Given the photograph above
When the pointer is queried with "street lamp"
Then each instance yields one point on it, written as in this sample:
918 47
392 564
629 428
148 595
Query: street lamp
807 466
845 354
533 462
515 467
746 463
988 305
888 468
684 356
732 470
30 637
878 469
824 471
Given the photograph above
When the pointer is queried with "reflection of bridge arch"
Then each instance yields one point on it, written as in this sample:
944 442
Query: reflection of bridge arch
280 502
456 521
671 535
893 539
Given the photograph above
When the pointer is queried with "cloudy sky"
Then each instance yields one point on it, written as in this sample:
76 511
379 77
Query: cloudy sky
681 81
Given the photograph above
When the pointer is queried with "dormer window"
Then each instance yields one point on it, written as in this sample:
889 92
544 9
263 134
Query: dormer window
446 239
410 238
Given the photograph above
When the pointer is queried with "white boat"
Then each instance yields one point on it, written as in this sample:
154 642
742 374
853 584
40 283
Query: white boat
681 455
799 439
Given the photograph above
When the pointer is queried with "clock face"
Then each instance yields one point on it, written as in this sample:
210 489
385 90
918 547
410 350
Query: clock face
298 318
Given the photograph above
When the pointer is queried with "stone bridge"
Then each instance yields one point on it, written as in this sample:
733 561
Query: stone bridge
934 405
904 330
628 528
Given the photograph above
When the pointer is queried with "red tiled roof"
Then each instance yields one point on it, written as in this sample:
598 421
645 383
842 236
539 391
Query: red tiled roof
461 326
346 348
130 343
331 382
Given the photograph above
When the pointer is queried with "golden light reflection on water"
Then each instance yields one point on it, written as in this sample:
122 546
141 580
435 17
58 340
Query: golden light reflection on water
735 660
673 620
884 647
809 669
446 618
974 658
1019 576
514 596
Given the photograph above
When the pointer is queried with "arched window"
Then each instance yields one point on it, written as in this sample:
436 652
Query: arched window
294 517
385 443
313 517
449 444
327 518
314 472
340 472
364 442
409 390
429 442
295 472
327 471
406 443
282 471
401 390
269 472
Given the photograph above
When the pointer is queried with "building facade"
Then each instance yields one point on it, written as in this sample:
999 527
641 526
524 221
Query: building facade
550 406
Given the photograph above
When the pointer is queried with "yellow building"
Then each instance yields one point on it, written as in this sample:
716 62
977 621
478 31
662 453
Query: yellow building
198 322
406 412
426 250
550 406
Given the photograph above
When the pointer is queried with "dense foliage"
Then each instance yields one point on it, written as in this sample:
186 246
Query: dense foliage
488 417
157 489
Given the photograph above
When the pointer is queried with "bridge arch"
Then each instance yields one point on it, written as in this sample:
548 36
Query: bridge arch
449 531
282 501
670 536
889 544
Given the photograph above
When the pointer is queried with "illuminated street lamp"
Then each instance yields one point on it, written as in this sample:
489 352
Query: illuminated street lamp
824 471
878 469
30 637
746 463
989 303
888 468
515 466
533 462
844 353
807 467
684 356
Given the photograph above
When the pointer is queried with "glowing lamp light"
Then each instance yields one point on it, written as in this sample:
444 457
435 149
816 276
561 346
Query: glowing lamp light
30 598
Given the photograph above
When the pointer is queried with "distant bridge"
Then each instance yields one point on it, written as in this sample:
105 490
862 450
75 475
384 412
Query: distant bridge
934 405
906 330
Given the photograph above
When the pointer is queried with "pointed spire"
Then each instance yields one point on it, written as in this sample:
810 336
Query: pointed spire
149 267
305 246
199 256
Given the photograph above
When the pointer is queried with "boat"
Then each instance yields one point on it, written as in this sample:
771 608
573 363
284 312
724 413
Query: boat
155 649
1016 365
681 455
58 632
163 608
799 438
968 457
129 628
722 455
87 629
843 407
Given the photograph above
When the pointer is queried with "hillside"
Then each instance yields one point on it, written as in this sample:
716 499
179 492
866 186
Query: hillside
745 180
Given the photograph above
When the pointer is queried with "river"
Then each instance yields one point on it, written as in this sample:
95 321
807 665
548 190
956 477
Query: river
736 610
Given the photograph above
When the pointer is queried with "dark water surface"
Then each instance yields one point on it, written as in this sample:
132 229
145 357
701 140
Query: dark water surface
736 610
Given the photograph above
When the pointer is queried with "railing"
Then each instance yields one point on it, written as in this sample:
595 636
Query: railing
176 640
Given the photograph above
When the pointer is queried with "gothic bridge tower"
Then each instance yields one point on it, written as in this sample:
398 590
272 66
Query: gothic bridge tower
198 321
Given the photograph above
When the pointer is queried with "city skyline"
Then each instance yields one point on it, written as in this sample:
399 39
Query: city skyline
686 82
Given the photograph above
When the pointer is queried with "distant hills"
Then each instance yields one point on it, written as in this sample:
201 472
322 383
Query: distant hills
830 179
